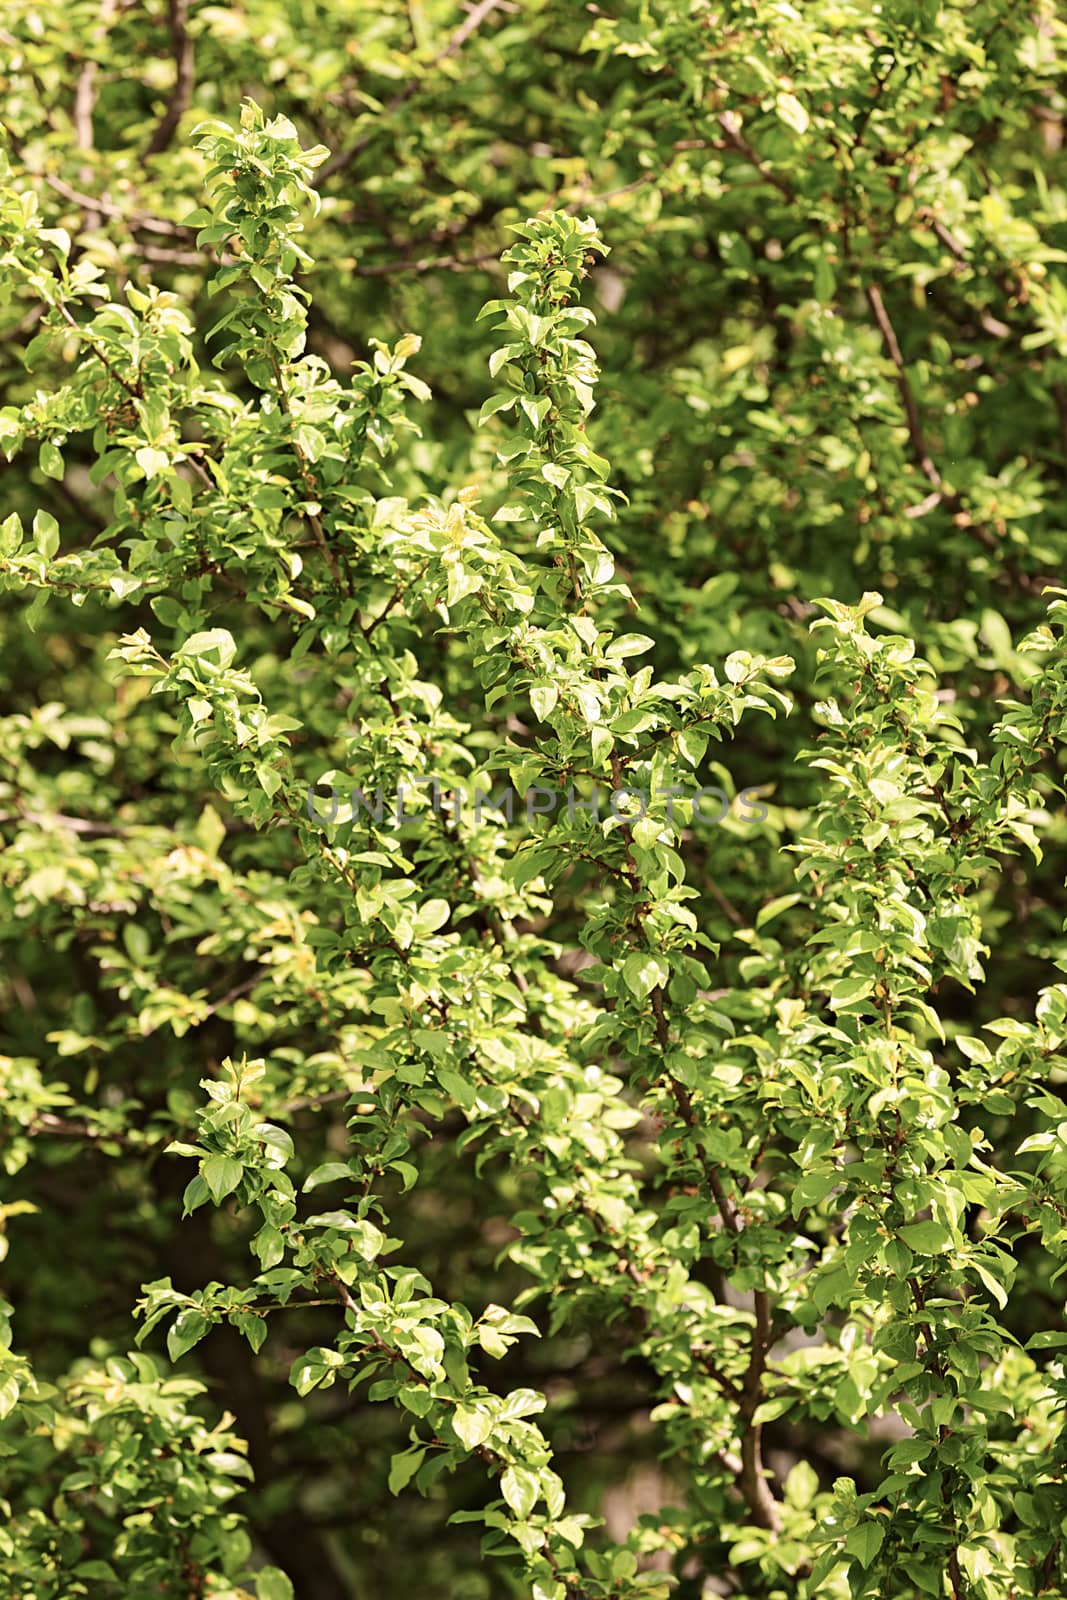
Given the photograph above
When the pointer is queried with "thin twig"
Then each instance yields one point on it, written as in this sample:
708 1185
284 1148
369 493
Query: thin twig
726 906
385 269
911 410
131 387
752 1480
921 453
312 1102
313 519
732 129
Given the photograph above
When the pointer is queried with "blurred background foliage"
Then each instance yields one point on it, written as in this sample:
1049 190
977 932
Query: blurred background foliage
833 335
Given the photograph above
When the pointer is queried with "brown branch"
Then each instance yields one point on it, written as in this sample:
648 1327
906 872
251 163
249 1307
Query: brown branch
949 240
233 994
384 269
85 92
679 147
1059 396
911 410
732 129
139 221
267 601
103 830
1003 279
92 204
313 520
752 1480
398 594
614 194
726 906
84 105
183 51
131 387
178 258
82 116
917 438
312 1102
67 1129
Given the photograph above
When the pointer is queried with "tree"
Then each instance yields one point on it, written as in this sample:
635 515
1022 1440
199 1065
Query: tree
365 830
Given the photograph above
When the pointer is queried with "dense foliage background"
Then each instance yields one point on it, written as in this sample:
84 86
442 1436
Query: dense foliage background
721 1163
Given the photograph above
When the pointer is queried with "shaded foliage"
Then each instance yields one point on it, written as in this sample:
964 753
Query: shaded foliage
590 406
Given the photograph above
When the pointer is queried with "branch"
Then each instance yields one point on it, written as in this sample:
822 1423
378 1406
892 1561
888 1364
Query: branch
84 104
183 51
233 994
911 410
103 830
312 1102
726 906
179 258
85 91
917 437
48 1123
732 129
383 269
131 388
139 221
313 519
752 1480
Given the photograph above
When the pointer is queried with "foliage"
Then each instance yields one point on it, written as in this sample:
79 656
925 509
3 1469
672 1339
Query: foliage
694 1186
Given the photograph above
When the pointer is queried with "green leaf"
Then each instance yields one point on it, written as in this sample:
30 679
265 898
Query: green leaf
45 534
521 1489
926 1238
801 1485
10 534
812 1188
473 1425
9 1393
51 459
543 698
693 744
643 972
196 1194
254 1328
416 1398
272 1584
432 914
215 642
792 112
495 403
629 644
151 461
328 1172
823 285
187 1329
846 991
404 1466
864 1541
222 1174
